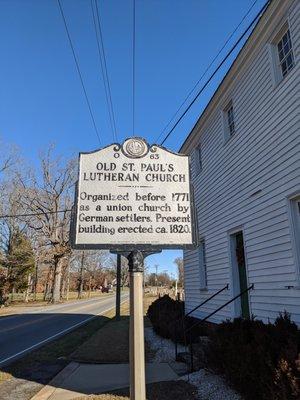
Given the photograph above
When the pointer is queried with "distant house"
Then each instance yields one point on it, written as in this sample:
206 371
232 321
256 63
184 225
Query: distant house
245 157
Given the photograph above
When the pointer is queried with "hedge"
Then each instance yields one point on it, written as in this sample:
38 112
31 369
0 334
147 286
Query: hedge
166 316
257 359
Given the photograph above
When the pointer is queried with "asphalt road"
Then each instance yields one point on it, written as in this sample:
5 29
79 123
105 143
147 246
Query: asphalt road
21 333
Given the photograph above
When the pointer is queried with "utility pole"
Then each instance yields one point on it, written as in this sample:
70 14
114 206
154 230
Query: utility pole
36 278
80 289
68 281
118 292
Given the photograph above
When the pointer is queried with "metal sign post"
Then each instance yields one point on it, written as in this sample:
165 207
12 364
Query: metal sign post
118 291
134 199
136 331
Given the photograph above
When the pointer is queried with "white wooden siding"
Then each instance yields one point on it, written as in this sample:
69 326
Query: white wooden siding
245 183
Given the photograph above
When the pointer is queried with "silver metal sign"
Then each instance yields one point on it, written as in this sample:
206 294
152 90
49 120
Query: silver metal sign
133 196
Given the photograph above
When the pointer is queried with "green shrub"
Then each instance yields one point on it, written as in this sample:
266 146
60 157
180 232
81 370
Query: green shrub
258 359
166 316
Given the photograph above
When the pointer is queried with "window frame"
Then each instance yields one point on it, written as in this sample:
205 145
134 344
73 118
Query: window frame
285 56
202 263
295 230
228 134
277 75
198 159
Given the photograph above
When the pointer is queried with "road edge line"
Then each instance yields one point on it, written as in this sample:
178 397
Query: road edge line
49 339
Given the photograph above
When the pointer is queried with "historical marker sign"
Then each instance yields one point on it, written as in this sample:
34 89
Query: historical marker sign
133 196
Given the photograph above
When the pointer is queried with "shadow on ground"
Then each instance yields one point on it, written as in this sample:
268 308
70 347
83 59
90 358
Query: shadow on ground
172 390
20 379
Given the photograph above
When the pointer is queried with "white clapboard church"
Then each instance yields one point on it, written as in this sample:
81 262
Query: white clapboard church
245 157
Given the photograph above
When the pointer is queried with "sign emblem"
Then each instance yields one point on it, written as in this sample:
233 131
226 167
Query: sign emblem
135 147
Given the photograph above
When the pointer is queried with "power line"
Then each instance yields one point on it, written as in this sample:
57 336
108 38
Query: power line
206 70
215 71
106 73
33 214
78 70
102 58
133 70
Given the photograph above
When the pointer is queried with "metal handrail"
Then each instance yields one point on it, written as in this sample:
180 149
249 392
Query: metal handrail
205 301
185 315
206 318
220 308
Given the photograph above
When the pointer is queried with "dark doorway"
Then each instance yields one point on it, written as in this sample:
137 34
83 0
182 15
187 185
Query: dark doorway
239 264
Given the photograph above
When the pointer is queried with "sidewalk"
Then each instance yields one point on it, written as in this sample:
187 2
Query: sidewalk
101 366
79 379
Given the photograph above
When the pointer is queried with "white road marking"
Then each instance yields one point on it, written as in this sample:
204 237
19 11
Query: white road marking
47 308
56 335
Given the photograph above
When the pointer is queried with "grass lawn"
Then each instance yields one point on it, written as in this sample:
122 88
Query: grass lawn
18 298
18 305
43 358
172 390
110 343
94 341
41 365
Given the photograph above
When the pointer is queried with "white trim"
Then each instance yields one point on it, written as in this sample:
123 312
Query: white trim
292 223
276 36
225 122
236 305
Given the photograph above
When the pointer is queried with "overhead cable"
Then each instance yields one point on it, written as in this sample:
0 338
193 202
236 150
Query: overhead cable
78 70
206 70
34 214
216 70
103 64
133 68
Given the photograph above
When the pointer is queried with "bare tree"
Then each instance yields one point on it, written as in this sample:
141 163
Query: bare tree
9 158
49 196
179 262
162 279
91 269
124 269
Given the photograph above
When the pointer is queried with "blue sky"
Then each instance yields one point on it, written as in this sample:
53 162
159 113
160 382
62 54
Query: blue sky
41 99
